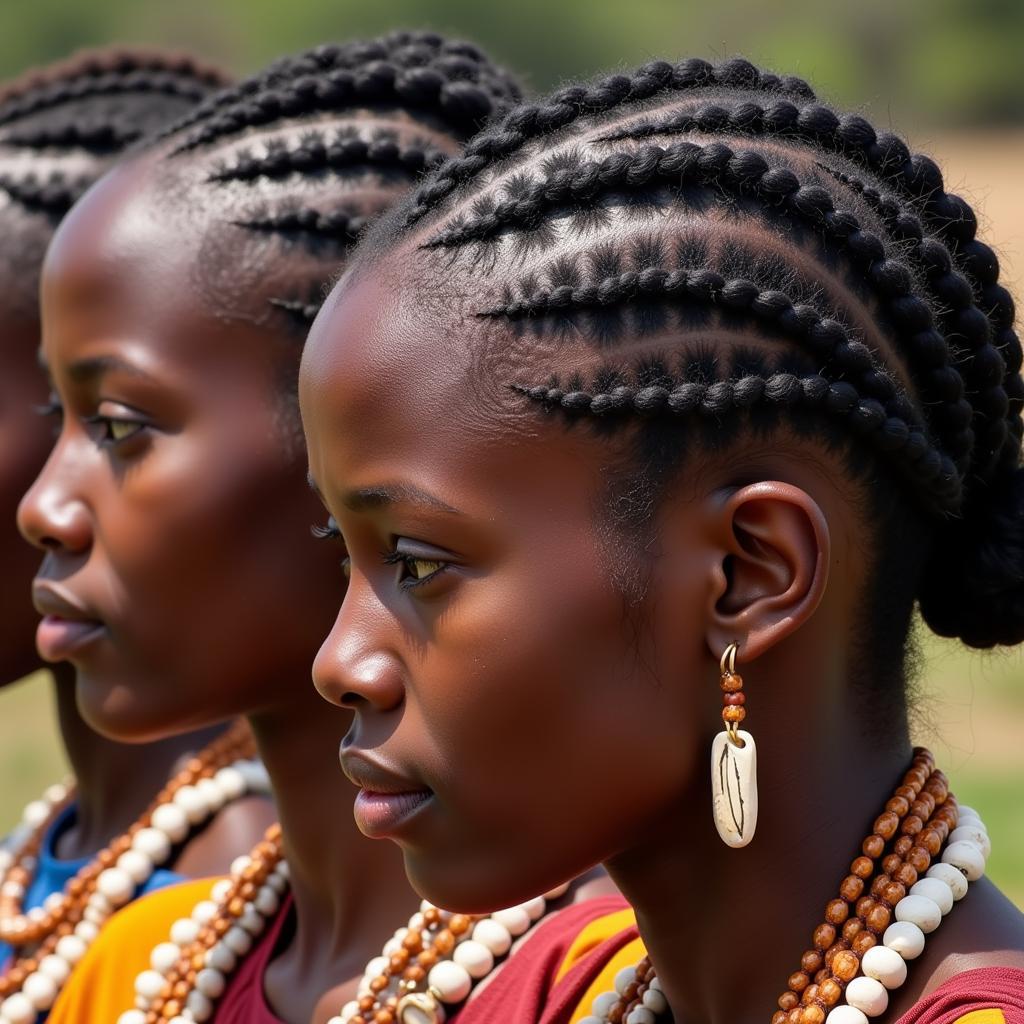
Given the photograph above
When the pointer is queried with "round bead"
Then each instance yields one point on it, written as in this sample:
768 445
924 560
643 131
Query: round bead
267 901
557 893
624 978
884 965
153 843
192 802
198 1006
846 1015
604 1002
937 891
972 834
656 1001
919 910
86 931
172 821
640 1015
238 940
220 958
257 779
252 920
905 938
36 813
149 983
55 967
211 793
965 812
204 911
951 876
164 956
40 990
231 782
71 948
132 1017
867 995
117 885
239 864
18 1009
515 919
451 980
475 957
496 937
211 983
967 857
136 865
535 908
184 931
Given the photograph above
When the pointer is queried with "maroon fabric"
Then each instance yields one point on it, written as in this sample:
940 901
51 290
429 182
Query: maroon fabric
524 991
985 988
243 1001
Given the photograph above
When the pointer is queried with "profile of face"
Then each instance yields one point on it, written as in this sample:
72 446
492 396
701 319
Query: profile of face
179 575
513 725
25 440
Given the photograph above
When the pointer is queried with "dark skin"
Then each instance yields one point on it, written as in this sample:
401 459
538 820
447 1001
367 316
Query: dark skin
203 494
498 668
115 781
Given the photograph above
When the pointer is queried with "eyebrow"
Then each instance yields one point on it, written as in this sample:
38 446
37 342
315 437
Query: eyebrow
84 370
384 495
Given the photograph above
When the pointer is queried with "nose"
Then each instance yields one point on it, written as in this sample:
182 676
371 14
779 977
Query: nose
51 516
354 667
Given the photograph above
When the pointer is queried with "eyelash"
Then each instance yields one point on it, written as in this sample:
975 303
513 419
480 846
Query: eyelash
330 531
108 422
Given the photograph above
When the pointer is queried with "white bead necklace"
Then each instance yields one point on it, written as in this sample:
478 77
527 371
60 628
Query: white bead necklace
884 966
149 848
460 950
263 876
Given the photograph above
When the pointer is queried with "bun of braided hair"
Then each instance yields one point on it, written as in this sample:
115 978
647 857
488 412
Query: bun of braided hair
827 181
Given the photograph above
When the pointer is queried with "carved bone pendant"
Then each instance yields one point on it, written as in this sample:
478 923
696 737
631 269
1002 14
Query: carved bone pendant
734 788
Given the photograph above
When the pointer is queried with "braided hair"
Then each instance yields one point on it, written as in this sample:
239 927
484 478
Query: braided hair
62 126
291 165
719 196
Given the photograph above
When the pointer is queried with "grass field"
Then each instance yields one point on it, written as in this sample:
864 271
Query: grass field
970 709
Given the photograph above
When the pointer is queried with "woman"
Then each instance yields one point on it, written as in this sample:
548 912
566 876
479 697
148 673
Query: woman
61 127
672 378
175 301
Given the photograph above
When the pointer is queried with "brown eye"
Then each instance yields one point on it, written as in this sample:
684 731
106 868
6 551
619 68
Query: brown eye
421 568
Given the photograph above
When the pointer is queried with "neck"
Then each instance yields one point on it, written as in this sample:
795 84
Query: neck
115 782
350 893
726 927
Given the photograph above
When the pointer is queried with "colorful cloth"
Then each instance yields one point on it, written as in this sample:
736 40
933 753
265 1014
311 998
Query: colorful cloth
102 985
986 995
52 873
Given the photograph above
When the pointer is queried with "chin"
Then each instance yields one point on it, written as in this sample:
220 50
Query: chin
116 710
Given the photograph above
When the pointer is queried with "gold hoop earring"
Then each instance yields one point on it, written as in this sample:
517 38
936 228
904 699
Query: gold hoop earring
733 761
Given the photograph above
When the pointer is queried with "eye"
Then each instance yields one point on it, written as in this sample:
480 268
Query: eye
115 427
418 567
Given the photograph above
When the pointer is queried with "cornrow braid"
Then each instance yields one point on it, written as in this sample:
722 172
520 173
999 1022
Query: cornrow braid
345 151
917 179
378 113
416 71
873 222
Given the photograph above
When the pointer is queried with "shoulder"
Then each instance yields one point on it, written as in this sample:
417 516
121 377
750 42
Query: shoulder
232 831
102 984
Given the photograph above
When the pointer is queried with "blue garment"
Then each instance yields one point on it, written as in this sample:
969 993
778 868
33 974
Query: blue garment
52 874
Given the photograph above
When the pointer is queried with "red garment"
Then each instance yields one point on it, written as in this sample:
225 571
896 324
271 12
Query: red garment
524 992
996 988
243 1001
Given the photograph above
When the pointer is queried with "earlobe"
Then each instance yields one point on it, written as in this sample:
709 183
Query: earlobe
773 569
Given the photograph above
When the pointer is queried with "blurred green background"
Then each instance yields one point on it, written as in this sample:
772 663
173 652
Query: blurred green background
948 73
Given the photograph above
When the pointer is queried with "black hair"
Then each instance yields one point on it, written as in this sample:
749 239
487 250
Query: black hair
303 155
63 125
894 339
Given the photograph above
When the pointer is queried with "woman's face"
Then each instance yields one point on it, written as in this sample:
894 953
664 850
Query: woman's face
179 575
513 724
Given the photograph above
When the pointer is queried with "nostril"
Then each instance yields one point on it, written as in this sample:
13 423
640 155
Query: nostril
350 700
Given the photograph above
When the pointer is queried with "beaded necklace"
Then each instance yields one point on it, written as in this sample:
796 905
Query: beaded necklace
860 950
51 939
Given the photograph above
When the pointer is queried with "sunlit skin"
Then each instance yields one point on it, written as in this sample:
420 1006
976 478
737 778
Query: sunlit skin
174 509
115 781
545 722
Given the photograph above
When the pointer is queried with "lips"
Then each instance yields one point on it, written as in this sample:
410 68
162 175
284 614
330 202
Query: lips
387 801
66 627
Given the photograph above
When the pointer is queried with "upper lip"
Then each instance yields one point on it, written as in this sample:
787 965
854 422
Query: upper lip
50 599
371 774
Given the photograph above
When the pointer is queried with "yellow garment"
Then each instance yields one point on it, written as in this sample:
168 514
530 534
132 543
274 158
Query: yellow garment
102 985
604 928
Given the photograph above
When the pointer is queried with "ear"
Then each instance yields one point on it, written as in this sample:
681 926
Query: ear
772 570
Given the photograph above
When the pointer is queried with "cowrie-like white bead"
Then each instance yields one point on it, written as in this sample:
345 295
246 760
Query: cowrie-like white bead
39 990
972 834
884 965
640 1015
515 919
937 891
967 857
905 938
71 948
149 983
919 910
220 958
452 982
55 967
846 1015
868 995
164 956
172 821
211 983
496 937
153 843
951 876
184 931
475 957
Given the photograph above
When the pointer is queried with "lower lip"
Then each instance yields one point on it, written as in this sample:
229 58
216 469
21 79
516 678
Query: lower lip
57 638
379 815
